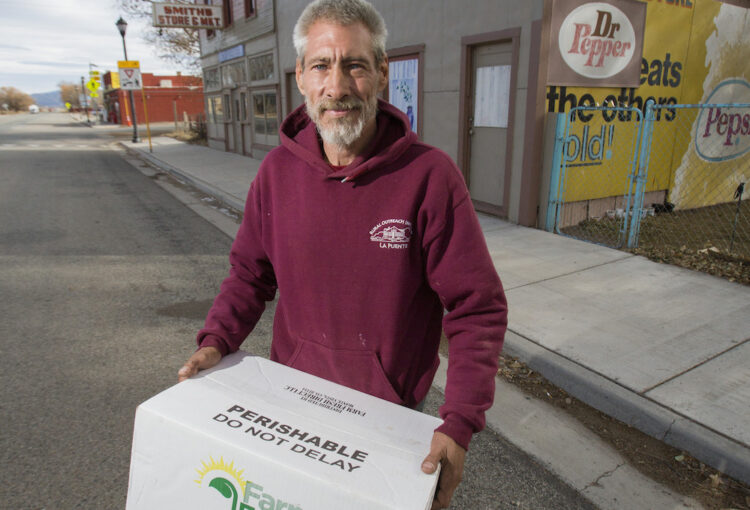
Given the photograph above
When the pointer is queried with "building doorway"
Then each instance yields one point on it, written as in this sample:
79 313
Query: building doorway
490 63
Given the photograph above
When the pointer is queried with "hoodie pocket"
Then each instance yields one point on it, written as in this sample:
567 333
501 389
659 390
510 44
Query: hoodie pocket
359 370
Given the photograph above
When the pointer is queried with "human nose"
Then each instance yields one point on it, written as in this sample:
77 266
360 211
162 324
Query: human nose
338 83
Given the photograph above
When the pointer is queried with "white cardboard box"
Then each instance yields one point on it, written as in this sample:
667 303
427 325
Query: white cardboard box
254 434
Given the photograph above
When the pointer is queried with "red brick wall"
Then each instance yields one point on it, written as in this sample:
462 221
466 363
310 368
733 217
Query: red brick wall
161 101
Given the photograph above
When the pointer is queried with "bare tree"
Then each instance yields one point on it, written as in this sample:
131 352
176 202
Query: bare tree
178 45
15 99
70 93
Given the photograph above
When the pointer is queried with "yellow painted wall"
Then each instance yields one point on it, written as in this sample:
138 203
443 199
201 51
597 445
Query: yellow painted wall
690 48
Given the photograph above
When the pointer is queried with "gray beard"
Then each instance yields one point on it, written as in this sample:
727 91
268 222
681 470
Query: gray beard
342 132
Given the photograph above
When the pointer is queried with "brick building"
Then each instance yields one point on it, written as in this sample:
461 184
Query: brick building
168 99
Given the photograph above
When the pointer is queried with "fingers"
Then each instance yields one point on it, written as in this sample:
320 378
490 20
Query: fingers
444 451
430 463
203 358
188 370
447 484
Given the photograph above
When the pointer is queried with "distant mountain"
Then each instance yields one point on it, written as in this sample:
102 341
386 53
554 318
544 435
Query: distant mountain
48 99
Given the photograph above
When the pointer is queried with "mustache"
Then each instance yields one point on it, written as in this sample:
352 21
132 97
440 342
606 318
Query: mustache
339 104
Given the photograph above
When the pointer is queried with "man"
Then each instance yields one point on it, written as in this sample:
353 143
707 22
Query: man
368 234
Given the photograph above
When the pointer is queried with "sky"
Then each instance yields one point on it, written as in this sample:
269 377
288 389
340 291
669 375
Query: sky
44 42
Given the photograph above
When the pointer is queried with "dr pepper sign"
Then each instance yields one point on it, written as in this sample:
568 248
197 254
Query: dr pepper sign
597 44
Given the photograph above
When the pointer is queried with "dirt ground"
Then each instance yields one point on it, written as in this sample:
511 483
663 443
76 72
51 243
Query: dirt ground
706 260
713 240
655 459
188 136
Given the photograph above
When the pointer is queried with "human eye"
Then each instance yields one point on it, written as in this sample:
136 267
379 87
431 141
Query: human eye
357 67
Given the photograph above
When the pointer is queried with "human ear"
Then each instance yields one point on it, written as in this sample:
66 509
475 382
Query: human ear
383 74
298 76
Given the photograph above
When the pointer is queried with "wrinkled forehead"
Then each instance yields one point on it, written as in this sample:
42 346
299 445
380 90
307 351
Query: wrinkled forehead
330 40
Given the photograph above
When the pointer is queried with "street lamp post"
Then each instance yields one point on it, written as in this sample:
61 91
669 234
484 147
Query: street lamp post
122 26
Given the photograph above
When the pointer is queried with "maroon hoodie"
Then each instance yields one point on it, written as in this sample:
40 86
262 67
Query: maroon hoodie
366 259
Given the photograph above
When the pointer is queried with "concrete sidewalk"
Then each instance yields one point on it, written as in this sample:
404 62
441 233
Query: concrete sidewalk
661 348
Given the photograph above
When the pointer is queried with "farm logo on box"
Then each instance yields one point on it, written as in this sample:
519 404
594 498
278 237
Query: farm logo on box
597 40
722 131
230 484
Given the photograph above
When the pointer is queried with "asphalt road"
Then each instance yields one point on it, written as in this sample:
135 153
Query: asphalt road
105 277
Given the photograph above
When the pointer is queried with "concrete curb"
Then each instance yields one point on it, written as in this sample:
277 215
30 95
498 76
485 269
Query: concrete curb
205 187
708 446
573 453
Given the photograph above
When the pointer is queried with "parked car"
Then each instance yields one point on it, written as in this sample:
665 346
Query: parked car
33 109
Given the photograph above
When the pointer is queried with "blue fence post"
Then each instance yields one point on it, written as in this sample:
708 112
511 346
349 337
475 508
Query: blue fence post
554 180
642 172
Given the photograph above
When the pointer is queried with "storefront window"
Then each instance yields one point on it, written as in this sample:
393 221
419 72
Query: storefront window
403 87
261 68
259 114
212 78
234 74
404 90
215 109
265 117
272 119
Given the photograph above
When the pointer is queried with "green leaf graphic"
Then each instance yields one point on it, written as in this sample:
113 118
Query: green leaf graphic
226 489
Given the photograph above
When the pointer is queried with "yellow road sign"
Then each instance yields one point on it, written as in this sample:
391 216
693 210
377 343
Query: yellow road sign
128 64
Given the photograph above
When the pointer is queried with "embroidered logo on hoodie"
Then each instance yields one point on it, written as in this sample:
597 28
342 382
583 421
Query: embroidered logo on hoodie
392 234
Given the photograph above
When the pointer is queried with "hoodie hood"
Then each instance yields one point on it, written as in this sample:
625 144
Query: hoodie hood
392 138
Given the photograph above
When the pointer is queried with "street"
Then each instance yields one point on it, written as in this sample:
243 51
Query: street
105 277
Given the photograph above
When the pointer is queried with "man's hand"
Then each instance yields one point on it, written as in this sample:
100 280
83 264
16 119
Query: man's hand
203 358
445 450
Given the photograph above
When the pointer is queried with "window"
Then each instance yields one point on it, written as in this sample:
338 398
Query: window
209 33
165 83
403 83
233 74
259 114
215 110
265 120
249 8
212 79
227 108
261 68
404 90
243 106
227 5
